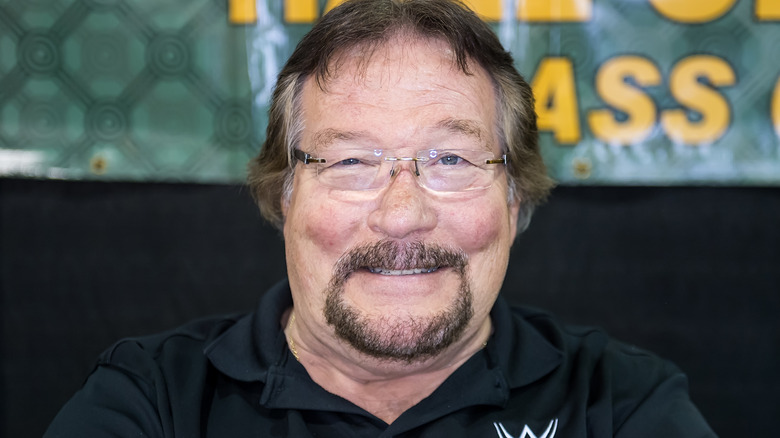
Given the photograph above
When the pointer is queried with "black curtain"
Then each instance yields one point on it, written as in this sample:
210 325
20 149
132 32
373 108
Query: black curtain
692 274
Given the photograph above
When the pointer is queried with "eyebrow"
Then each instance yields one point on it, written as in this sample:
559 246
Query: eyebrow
322 139
327 136
461 126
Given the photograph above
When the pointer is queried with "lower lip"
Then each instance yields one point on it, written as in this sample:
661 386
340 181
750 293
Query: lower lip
383 289
420 281
400 273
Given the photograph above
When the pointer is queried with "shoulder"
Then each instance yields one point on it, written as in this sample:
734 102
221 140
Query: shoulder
178 347
144 386
624 388
588 345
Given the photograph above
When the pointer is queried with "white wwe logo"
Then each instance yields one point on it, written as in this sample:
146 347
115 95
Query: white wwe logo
527 432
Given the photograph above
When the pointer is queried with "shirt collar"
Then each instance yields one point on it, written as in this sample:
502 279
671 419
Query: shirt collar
518 348
255 344
255 349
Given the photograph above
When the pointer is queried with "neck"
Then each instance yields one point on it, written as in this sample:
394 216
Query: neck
384 388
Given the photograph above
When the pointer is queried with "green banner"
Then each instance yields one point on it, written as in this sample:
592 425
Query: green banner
628 91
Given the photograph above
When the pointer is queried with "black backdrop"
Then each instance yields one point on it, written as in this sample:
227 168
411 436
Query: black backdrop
690 273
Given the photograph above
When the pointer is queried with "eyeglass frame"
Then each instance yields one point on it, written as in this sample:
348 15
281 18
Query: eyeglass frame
307 158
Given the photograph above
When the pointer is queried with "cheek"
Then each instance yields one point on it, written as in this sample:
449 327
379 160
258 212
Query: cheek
480 229
325 226
315 237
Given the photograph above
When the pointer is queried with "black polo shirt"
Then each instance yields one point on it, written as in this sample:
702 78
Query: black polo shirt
235 377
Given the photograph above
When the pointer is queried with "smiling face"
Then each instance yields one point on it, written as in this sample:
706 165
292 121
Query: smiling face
408 271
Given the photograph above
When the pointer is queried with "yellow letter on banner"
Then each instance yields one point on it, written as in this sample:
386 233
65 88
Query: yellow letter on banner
554 10
638 106
332 4
300 11
768 10
488 10
713 107
242 11
692 11
776 108
556 99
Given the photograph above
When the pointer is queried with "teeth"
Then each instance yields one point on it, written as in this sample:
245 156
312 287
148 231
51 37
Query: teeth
383 271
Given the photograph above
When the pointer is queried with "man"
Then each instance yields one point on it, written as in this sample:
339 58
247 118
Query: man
400 162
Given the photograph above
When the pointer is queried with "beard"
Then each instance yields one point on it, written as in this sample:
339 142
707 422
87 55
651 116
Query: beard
404 338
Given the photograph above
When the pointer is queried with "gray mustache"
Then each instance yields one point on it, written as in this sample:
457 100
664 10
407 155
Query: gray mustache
388 254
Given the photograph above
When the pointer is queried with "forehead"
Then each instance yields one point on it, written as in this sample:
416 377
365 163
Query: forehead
403 92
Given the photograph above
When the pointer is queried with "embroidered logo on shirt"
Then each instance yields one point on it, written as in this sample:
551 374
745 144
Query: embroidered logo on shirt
527 432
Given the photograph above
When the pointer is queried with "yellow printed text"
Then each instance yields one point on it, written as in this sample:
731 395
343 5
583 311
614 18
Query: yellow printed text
556 99
714 113
638 108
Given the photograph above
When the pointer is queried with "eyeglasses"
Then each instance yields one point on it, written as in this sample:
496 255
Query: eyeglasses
440 170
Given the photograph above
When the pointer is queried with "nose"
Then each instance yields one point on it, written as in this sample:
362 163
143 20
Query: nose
403 209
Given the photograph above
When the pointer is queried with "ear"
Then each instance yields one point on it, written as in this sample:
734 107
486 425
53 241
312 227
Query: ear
284 207
284 203
288 187
514 211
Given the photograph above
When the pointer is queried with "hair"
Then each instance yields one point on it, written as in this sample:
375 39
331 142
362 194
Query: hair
367 25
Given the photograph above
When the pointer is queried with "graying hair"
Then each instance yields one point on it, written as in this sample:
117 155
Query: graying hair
367 25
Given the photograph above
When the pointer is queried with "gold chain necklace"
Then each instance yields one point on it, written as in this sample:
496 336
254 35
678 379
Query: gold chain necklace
290 341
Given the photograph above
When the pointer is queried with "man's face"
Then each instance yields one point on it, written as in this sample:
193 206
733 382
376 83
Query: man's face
408 97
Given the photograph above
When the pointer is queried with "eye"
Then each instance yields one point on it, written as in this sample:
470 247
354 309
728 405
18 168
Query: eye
352 163
451 160
349 162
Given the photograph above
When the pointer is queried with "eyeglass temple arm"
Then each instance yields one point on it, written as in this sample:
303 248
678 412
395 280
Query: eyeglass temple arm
306 158
501 160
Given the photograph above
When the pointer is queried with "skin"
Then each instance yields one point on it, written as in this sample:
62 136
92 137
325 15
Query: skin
404 99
